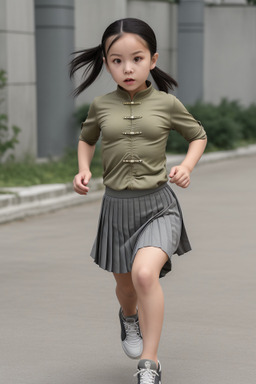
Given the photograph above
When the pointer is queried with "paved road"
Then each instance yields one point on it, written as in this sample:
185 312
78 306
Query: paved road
58 314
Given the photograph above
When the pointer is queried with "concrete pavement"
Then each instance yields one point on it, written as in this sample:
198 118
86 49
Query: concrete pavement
59 321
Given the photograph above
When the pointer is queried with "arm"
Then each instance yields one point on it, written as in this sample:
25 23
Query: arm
180 174
85 155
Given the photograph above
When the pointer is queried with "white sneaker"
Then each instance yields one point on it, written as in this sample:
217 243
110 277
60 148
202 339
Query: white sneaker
131 338
148 372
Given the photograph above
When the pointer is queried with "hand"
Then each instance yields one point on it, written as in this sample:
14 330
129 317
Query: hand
80 182
180 175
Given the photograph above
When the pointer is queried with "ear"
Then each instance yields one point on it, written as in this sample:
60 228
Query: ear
106 64
153 61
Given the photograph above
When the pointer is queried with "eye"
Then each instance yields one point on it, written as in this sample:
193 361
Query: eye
137 59
116 61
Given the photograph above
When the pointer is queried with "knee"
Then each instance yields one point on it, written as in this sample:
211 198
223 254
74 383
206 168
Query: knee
144 279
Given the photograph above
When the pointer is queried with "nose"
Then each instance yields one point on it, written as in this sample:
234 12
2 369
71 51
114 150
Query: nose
128 68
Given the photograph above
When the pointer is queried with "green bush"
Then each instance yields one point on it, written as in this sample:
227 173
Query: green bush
248 121
221 123
8 139
227 125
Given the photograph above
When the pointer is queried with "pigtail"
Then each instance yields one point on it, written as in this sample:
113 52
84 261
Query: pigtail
93 60
163 80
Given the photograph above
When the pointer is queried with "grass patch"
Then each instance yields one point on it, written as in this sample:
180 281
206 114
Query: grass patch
28 172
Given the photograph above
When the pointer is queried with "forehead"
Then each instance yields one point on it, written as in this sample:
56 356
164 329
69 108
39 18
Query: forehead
125 41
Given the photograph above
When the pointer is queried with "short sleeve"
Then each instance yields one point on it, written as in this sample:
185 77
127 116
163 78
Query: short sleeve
184 123
90 130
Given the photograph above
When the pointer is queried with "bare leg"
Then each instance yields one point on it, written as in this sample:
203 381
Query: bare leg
126 293
145 275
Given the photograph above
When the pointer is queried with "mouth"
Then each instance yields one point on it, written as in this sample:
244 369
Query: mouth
129 81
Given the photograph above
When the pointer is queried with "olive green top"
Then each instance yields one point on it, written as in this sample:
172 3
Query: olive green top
134 135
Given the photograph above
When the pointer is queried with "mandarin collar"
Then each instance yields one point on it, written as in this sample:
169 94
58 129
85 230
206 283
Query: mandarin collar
138 96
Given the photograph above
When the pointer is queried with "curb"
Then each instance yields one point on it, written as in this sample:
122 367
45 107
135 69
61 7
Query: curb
21 202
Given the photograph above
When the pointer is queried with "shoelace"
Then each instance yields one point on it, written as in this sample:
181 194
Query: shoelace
147 376
132 329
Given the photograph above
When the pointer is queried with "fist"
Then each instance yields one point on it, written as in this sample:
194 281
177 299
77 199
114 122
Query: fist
80 182
180 175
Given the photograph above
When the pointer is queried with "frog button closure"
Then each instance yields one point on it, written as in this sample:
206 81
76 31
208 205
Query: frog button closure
132 161
131 103
132 133
132 117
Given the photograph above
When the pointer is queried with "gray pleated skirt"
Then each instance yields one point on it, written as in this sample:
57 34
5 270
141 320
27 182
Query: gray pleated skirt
133 219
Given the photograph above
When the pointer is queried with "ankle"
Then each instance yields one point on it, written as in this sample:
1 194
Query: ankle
149 357
129 312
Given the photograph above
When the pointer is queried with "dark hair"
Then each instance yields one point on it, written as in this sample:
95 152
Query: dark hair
93 58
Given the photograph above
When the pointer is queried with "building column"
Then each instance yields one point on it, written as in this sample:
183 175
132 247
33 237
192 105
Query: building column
190 50
17 58
54 45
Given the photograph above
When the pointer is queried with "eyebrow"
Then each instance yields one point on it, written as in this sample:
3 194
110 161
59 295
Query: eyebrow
134 53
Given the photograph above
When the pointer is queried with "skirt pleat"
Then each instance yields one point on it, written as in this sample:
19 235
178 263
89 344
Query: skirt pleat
109 239
131 220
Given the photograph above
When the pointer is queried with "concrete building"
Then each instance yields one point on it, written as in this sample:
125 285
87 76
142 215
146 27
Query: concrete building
208 46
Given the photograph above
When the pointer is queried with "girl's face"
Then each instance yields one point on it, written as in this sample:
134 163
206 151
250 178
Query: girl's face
129 62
